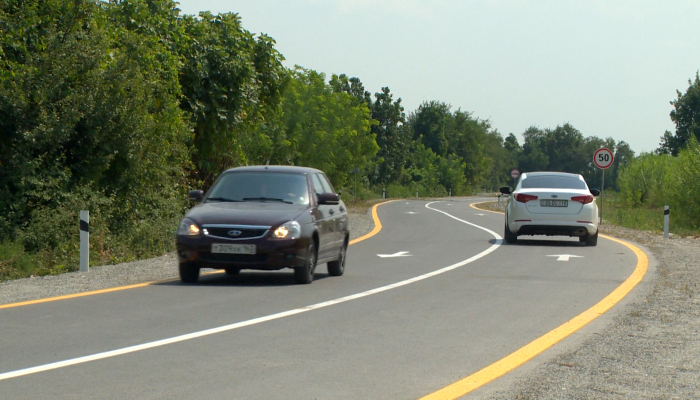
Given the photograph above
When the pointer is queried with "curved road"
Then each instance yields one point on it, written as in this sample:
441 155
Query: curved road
446 300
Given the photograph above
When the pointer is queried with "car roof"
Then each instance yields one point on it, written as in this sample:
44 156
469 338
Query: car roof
551 173
274 168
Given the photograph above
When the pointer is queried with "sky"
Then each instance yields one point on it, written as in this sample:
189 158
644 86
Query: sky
610 68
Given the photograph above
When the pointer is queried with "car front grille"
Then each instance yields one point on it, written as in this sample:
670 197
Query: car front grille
236 232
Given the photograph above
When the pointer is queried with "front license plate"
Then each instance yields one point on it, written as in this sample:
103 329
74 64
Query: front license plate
554 203
223 248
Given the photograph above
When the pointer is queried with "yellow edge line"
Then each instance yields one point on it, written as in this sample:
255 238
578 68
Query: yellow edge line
473 205
377 228
377 224
529 351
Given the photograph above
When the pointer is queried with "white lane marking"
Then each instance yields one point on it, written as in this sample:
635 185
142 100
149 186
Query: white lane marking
499 239
254 321
564 257
480 215
411 212
399 254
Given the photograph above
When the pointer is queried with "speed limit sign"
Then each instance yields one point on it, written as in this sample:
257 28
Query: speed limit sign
603 158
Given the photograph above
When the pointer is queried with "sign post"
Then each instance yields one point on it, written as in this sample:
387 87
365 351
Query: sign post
514 173
603 159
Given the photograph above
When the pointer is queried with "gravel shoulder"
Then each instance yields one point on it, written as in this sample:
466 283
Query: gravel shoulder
648 349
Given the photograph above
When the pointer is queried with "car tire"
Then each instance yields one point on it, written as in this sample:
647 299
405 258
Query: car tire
305 275
509 236
232 271
592 240
189 273
337 268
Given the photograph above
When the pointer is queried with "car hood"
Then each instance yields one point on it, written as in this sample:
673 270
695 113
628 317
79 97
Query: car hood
247 213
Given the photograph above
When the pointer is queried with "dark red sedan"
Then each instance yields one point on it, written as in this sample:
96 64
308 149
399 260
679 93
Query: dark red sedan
265 218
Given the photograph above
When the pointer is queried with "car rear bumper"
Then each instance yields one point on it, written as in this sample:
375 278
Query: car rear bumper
270 254
552 228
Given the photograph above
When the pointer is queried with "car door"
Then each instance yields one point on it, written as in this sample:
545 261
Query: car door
323 219
338 219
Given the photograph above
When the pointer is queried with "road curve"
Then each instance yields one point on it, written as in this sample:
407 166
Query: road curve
431 298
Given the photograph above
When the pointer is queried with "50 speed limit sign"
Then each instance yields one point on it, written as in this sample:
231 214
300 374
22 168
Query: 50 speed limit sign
603 158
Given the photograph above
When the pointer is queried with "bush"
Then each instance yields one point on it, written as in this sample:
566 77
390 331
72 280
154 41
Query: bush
657 180
15 262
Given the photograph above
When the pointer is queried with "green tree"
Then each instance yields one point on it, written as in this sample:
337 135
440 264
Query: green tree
686 116
392 138
231 81
320 128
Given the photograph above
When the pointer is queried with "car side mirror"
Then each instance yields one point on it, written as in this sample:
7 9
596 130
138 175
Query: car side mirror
505 190
595 192
195 195
328 199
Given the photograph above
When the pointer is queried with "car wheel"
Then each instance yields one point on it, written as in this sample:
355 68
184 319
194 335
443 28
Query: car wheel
336 268
509 236
189 273
232 271
592 240
305 274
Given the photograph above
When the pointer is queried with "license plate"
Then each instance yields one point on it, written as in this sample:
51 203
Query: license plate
554 203
223 248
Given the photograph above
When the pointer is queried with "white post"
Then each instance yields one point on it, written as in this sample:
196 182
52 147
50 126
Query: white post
383 194
84 241
602 196
667 211
450 193
416 193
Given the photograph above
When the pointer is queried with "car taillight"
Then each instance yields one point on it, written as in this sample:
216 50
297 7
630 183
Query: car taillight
583 199
524 198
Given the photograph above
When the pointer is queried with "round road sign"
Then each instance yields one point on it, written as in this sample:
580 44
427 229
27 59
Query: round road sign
514 174
603 158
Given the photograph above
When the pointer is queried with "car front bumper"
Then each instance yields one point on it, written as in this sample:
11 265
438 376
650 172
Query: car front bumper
270 254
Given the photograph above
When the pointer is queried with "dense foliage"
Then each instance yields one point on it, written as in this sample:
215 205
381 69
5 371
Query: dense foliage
119 107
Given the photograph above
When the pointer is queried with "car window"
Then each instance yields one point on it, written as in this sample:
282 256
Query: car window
552 182
261 186
327 187
318 186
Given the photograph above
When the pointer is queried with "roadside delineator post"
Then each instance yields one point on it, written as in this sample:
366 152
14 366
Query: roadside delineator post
416 193
383 194
667 211
84 241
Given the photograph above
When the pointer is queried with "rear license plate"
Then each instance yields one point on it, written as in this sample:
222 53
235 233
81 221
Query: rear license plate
223 248
554 203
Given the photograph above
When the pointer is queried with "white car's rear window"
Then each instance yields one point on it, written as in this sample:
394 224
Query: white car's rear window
552 182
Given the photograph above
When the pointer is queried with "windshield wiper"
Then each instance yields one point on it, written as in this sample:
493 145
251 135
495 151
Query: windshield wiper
223 199
266 199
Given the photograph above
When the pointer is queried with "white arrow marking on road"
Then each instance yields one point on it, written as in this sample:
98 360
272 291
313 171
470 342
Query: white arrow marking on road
399 254
564 257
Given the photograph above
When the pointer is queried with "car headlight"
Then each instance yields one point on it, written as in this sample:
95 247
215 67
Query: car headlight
288 230
188 228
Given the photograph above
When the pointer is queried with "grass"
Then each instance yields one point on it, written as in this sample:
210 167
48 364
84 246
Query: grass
617 212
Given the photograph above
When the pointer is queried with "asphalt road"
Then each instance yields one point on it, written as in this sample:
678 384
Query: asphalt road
451 301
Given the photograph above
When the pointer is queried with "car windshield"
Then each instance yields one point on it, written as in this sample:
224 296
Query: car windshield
552 182
279 187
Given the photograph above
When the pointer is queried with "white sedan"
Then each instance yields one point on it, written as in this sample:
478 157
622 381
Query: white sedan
554 204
